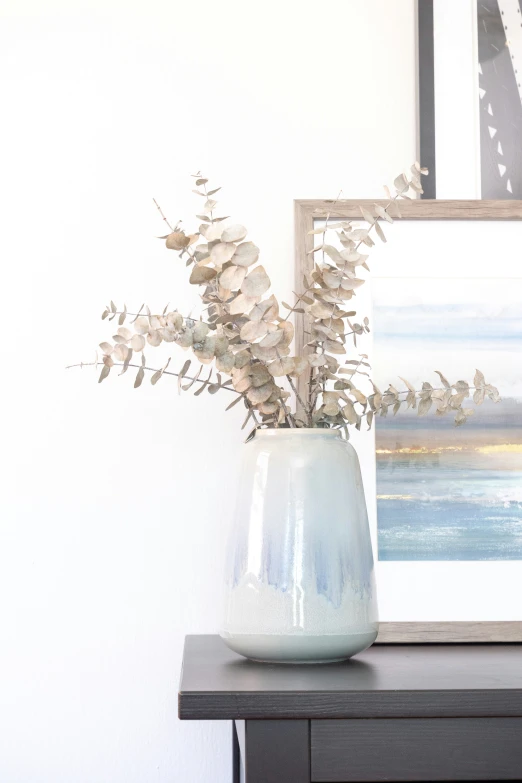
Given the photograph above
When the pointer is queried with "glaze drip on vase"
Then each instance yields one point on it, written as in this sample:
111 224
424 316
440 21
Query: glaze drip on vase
300 577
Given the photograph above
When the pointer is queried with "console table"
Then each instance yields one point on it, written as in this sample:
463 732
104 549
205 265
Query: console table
394 713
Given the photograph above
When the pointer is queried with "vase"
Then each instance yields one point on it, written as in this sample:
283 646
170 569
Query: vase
300 584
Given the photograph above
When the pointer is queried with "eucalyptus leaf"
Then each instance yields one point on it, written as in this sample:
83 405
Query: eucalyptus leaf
382 213
202 274
256 283
424 406
443 379
232 277
246 254
479 379
367 215
380 232
235 233
222 252
104 373
280 367
234 402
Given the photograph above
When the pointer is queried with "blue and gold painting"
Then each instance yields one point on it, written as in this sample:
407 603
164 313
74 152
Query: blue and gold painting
447 492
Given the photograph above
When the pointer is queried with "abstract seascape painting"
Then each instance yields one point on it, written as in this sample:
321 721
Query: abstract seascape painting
444 492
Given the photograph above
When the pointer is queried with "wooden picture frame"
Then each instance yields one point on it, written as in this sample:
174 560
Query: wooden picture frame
306 212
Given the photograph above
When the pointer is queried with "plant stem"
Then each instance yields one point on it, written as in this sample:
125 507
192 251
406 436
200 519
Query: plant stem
440 388
298 396
288 415
152 315
162 215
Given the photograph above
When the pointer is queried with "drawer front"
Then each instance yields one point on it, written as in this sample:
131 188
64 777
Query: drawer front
420 749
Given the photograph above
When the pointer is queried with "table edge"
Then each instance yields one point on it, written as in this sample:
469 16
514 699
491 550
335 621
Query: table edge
244 705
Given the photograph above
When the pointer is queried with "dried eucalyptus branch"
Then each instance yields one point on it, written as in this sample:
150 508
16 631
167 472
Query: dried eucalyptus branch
159 373
243 335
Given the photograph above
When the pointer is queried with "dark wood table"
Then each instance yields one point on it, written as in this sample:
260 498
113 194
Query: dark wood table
393 713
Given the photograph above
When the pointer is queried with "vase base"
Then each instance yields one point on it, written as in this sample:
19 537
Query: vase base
297 662
298 649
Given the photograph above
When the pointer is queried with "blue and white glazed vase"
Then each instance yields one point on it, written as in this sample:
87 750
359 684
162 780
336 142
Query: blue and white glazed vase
300 578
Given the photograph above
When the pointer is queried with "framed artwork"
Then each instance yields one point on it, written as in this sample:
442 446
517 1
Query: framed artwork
470 97
444 502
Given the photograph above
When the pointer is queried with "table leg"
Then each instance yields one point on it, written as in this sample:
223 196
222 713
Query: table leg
236 759
277 751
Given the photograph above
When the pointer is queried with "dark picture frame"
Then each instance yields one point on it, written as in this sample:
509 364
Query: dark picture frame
426 95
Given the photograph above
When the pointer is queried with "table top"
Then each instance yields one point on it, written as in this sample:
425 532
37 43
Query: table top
421 680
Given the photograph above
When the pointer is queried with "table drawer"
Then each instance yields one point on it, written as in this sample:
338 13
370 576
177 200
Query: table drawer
420 749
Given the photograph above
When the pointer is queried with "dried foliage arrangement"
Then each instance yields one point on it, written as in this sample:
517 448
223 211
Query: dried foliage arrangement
242 333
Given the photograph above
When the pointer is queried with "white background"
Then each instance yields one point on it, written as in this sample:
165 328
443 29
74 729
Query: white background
114 502
457 129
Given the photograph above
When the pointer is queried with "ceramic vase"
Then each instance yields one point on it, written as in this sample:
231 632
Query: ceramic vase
300 585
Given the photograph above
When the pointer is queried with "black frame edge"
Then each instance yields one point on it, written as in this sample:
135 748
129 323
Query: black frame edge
426 95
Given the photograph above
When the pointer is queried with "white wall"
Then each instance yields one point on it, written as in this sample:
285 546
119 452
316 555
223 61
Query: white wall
115 501
457 144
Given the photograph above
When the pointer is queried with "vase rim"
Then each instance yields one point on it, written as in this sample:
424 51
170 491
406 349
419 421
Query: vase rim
308 431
